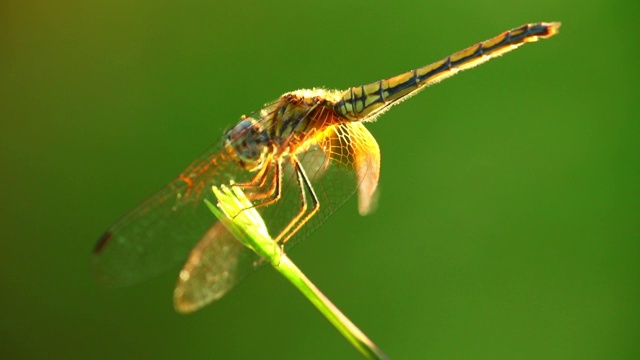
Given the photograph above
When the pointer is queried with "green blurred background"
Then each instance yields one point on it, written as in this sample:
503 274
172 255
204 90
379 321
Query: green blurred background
509 218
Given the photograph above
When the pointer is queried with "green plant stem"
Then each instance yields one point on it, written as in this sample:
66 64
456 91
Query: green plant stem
239 216
351 332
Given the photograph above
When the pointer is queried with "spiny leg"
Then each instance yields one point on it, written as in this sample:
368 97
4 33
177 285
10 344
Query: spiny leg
305 185
258 180
275 192
261 193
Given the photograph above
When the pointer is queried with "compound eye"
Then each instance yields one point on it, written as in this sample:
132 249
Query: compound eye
242 129
247 142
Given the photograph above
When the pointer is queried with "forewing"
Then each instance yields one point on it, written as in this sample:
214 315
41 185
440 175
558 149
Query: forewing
159 233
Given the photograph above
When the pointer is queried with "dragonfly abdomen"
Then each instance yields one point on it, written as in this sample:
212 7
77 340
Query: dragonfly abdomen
364 103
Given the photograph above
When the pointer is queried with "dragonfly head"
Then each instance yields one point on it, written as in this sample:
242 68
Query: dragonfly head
247 143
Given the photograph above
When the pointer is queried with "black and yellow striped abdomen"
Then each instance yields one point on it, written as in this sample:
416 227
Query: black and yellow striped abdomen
364 103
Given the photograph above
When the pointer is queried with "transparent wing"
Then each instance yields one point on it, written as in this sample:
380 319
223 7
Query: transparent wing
343 157
159 233
174 225
215 265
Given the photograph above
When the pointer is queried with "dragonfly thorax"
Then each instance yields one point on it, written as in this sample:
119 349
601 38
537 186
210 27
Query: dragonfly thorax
247 143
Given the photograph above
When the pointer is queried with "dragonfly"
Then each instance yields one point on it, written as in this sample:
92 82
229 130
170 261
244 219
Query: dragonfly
298 159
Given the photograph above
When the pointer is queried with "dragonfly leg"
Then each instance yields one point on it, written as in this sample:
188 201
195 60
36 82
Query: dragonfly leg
299 220
260 178
275 190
